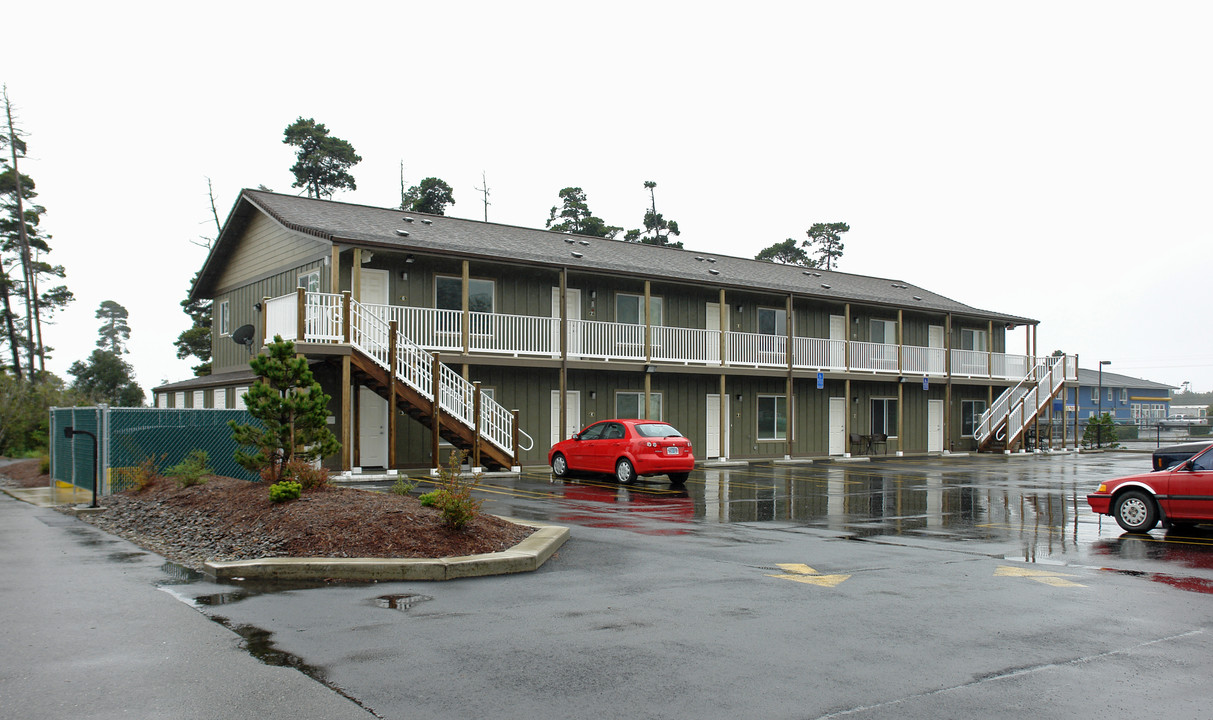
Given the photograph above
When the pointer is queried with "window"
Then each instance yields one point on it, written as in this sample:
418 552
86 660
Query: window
772 417
448 294
883 331
594 432
310 281
772 321
199 399
1109 394
973 340
220 402
160 402
1094 394
884 416
225 318
239 403
970 416
179 399
1124 395
628 309
631 405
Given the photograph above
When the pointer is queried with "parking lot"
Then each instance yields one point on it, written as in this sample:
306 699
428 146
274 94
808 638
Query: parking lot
903 587
899 588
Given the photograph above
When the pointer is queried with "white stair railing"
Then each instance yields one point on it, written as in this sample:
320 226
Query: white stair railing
1020 404
369 331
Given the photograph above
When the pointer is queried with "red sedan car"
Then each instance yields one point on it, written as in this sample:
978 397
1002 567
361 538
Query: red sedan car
1181 495
626 448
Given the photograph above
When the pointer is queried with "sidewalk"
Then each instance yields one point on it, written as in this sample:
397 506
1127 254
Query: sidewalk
87 633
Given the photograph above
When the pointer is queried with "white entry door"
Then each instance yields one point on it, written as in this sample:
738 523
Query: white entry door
713 427
935 338
934 425
374 293
573 418
838 426
372 429
572 309
838 333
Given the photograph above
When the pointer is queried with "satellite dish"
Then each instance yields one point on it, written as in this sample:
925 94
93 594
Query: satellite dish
244 335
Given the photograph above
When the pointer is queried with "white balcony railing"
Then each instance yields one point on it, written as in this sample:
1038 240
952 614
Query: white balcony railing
538 336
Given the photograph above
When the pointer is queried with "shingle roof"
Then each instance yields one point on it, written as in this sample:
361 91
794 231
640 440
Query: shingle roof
366 226
1115 380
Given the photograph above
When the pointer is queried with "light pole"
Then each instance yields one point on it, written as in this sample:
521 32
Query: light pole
1099 414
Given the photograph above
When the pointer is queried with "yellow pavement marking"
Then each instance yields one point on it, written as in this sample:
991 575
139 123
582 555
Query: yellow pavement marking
1046 577
801 573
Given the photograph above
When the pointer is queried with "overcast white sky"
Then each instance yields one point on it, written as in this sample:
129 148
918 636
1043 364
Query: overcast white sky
1045 159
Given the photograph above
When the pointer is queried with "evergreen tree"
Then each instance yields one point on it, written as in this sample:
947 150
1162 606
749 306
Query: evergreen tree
114 330
825 239
431 195
196 340
657 230
322 162
575 216
106 378
787 252
292 408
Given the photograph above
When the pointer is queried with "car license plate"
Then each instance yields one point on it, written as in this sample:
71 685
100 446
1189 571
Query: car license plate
673 450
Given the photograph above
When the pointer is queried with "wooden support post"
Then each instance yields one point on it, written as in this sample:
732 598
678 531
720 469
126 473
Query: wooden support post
435 414
724 347
392 412
265 313
947 393
846 415
648 389
648 322
356 275
467 312
516 461
346 425
990 348
476 423
846 346
345 316
301 314
334 270
724 413
564 354
901 428
356 415
788 326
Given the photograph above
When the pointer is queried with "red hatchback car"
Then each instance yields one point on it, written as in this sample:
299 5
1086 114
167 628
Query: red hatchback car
1180 495
626 448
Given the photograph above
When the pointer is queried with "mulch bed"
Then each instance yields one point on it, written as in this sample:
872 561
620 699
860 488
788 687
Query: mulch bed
229 519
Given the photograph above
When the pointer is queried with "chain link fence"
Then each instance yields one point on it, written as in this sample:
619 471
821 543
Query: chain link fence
129 437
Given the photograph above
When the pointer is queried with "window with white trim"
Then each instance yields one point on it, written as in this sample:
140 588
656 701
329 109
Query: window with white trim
976 340
225 318
630 404
220 399
772 417
882 331
628 309
970 416
1124 395
1095 394
239 403
199 399
310 281
772 321
448 294
1109 394
179 399
884 416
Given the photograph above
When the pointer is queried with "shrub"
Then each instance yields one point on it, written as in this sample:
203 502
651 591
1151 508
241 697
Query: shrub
284 490
454 498
302 472
145 474
189 471
403 486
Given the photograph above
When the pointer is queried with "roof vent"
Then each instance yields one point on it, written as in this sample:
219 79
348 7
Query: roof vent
699 259
402 233
712 260
714 271
577 254
584 242
827 287
427 222
917 297
569 240
408 219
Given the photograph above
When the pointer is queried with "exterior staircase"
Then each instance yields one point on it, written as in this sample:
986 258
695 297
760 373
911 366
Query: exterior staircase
1004 425
410 378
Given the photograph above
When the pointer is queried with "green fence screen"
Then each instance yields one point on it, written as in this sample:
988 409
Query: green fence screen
127 437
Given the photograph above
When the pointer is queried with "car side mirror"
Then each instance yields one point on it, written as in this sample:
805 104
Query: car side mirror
576 436
1188 465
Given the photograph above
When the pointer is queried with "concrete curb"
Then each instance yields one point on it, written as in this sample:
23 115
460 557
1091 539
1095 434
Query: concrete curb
526 556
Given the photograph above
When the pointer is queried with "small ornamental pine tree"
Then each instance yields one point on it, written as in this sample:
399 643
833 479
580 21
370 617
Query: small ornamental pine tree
292 407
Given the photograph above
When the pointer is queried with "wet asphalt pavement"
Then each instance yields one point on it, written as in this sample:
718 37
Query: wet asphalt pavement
906 587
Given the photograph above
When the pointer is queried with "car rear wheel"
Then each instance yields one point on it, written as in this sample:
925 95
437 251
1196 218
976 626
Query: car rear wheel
1135 512
624 470
560 466
679 478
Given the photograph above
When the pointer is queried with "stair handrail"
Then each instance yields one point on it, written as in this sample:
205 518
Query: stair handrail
369 333
1049 372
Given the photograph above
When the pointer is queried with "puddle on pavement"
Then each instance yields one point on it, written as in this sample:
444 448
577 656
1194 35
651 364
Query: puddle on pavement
1191 584
125 556
400 602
